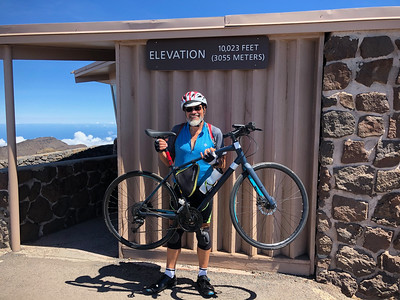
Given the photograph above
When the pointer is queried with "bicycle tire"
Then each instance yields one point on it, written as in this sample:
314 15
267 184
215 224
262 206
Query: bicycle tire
120 210
263 228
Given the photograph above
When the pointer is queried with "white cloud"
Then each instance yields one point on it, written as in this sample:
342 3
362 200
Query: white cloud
88 140
18 139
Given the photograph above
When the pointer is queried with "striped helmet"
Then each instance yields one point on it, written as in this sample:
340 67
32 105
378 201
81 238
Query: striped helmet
193 98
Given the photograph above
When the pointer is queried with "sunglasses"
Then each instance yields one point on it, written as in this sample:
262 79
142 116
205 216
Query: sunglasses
196 108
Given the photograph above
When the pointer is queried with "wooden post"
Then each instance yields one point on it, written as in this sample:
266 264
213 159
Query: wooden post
15 241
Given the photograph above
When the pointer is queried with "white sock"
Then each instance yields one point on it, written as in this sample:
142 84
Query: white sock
202 271
170 272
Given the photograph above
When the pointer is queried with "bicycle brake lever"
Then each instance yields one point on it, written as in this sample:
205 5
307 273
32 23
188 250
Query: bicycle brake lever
252 126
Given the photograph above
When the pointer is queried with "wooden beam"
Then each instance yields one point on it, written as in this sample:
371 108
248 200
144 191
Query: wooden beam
225 260
60 53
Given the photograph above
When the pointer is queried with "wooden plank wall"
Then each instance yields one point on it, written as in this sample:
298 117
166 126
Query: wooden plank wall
283 99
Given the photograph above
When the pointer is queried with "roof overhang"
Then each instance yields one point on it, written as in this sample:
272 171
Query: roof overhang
96 40
101 71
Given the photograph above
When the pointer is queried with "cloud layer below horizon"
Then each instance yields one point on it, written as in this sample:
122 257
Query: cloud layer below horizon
19 139
88 140
79 138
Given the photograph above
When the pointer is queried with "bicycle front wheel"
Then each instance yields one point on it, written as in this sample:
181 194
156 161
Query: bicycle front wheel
257 223
124 202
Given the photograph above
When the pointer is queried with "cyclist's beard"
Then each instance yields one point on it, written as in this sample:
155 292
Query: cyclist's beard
195 122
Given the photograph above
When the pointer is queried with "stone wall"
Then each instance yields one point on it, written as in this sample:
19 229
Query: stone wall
358 218
56 195
50 157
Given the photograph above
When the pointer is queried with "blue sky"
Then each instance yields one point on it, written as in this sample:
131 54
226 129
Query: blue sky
45 91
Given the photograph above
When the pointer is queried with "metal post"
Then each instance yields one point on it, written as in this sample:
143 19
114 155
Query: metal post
15 240
113 91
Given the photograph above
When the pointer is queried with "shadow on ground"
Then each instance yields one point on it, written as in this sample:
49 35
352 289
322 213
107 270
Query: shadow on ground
91 236
132 277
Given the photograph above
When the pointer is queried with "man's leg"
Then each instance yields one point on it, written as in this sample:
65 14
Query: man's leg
172 257
203 255
168 279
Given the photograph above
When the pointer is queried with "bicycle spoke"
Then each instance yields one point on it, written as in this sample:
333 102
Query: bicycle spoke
127 202
266 227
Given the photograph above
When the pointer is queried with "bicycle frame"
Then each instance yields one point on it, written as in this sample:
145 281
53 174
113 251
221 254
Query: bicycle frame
240 160
143 221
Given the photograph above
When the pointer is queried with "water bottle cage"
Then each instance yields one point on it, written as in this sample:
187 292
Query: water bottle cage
210 181
209 186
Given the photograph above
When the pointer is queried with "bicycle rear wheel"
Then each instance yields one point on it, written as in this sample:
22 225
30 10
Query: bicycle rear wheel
260 226
123 201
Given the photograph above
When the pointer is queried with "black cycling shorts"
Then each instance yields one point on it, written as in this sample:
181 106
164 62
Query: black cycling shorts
195 200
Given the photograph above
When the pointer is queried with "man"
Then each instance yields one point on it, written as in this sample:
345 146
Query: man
194 138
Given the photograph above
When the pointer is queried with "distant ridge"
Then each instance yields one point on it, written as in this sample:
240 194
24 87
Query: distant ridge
39 146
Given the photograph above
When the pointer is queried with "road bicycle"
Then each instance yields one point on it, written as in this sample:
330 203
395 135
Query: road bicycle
268 203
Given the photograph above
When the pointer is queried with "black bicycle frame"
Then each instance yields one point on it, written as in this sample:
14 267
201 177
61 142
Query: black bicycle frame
240 160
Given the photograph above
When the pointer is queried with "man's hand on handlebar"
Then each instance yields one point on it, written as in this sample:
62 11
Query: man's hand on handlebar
209 156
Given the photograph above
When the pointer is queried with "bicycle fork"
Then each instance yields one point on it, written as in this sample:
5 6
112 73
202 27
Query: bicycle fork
264 200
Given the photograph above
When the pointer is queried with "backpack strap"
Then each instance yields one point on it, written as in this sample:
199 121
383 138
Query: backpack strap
210 131
180 128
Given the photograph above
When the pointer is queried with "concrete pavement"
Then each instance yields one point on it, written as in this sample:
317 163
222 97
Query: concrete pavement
80 263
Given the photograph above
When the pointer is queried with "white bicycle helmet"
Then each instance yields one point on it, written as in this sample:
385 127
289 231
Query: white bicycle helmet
193 98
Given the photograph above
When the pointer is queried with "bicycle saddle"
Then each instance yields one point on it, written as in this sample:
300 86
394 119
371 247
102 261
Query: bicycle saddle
159 134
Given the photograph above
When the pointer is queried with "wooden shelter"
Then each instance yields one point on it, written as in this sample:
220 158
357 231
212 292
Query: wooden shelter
283 96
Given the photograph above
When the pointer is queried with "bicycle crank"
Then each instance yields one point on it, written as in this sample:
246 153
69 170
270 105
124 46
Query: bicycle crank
190 220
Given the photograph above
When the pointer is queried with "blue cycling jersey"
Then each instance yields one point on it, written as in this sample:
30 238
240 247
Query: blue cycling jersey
185 153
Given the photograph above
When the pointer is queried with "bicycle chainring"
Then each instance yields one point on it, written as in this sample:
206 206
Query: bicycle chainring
191 221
